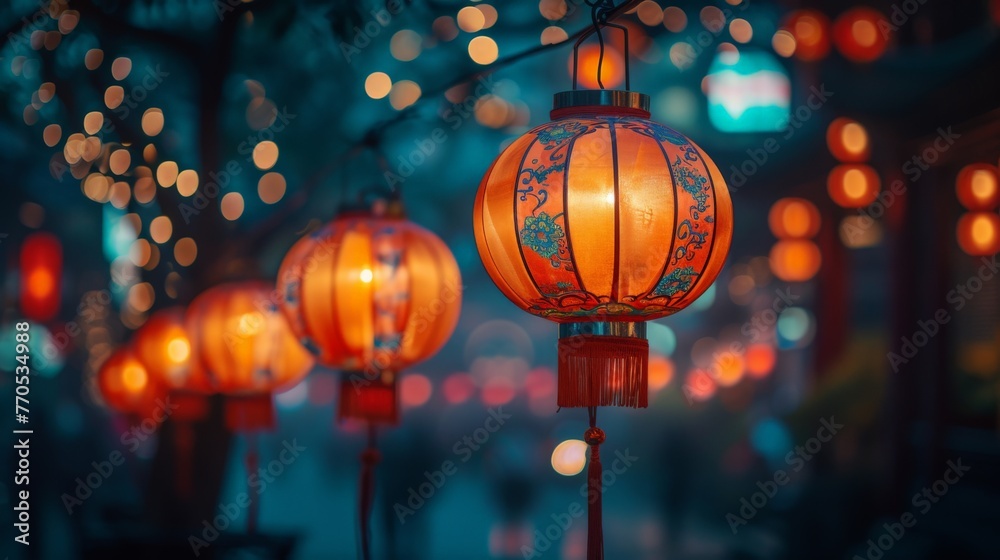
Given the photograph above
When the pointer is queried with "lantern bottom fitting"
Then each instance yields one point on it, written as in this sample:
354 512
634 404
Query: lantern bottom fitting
363 397
603 363
190 406
252 412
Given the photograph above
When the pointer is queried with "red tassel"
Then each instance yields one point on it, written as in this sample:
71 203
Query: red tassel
248 413
374 401
601 370
594 436
184 441
366 491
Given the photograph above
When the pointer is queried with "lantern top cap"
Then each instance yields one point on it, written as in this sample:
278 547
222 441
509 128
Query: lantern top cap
601 98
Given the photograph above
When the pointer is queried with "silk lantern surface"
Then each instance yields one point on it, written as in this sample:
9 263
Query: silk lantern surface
247 349
603 215
371 296
164 347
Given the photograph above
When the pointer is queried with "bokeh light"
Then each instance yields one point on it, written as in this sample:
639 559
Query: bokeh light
569 457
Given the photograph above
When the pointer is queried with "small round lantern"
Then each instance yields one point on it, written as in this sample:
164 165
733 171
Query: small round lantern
859 34
247 350
853 185
793 218
848 140
126 386
979 233
795 260
977 186
371 295
811 30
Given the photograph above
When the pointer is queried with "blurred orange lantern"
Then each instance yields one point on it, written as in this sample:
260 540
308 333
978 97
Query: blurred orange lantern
853 185
811 30
661 371
163 346
600 220
41 276
371 295
793 218
760 359
979 233
861 34
795 260
977 186
246 348
126 386
612 69
847 140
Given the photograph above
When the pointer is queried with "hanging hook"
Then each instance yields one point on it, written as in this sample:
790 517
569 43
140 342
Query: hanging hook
600 9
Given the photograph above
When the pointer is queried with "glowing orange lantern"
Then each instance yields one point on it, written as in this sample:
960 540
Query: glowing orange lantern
41 276
126 386
793 218
371 296
847 140
163 346
612 69
853 185
977 186
795 260
979 233
568 221
811 31
860 34
760 359
246 348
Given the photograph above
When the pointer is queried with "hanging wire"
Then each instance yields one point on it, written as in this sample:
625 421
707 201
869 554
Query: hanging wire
600 12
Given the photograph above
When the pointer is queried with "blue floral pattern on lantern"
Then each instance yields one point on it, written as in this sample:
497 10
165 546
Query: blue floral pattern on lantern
558 132
678 281
542 234
694 183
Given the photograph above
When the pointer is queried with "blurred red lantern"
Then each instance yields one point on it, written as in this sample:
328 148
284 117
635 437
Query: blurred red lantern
977 186
979 233
126 386
41 276
246 348
861 34
793 218
853 185
371 296
811 31
795 260
848 140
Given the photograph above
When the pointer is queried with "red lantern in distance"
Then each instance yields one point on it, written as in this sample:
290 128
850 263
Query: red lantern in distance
41 276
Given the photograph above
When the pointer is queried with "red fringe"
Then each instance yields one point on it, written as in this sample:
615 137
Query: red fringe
603 371
249 413
363 399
